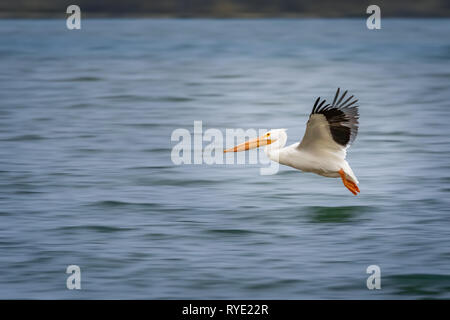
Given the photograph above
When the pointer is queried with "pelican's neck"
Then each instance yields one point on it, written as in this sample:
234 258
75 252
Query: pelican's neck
274 150
272 153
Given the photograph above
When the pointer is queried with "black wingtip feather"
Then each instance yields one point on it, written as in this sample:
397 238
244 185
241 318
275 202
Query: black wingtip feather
342 97
343 103
320 105
350 104
341 117
335 97
315 105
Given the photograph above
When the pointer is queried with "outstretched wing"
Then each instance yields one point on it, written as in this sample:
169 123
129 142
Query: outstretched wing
331 127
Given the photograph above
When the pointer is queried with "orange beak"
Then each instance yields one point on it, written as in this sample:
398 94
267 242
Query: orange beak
251 144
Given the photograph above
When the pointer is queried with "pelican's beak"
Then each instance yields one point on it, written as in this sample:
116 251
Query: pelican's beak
252 144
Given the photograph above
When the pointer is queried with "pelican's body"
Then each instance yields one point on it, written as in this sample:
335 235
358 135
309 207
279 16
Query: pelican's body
327 165
330 130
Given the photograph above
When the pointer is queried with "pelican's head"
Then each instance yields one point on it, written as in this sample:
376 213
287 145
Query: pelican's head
276 137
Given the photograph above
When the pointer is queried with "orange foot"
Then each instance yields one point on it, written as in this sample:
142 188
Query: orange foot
349 184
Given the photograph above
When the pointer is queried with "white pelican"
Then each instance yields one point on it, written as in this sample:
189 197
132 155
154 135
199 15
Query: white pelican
330 130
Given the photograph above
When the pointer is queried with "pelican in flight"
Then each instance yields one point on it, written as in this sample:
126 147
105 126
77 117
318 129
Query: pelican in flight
330 130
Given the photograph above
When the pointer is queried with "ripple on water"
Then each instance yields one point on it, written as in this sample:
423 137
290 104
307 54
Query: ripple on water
79 79
25 137
337 214
116 203
419 285
95 228
233 232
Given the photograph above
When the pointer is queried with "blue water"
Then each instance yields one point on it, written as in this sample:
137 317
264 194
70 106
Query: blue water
86 176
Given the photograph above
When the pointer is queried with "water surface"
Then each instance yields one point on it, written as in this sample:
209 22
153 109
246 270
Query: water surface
86 176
